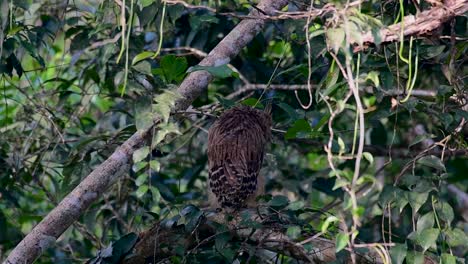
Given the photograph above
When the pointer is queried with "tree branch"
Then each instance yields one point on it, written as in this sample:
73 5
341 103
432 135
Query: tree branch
425 22
249 87
91 188
161 241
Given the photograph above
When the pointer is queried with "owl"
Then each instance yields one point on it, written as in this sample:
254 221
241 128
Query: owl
236 147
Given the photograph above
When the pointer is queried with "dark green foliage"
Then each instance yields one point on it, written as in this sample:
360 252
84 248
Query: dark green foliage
70 95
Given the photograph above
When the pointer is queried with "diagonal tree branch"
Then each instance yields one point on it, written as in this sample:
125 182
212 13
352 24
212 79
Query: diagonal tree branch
91 188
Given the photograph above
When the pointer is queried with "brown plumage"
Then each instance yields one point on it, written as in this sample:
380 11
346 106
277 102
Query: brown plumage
236 147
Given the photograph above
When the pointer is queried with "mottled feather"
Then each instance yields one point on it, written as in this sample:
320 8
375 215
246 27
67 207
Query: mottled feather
236 147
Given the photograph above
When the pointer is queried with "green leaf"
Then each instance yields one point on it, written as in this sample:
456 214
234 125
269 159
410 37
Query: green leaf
197 21
426 221
279 49
340 182
366 178
293 232
33 52
119 248
164 130
415 257
155 165
331 80
142 56
427 238
387 195
226 103
354 30
164 103
229 254
289 110
445 212
331 219
164 110
145 3
433 162
279 201
315 33
420 138
448 259
374 77
139 166
222 71
335 38
428 52
164 191
323 120
398 253
297 205
248 220
416 200
368 157
143 67
456 237
317 162
144 120
173 67
342 240
140 180
193 220
301 126
142 190
401 199
140 154
342 145
222 240
252 102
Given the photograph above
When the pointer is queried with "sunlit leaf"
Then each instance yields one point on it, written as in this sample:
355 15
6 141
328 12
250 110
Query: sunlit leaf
155 165
456 237
140 154
374 77
142 190
342 241
335 38
327 222
368 157
142 56
448 259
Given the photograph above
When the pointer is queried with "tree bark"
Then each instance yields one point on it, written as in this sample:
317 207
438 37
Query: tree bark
423 23
91 188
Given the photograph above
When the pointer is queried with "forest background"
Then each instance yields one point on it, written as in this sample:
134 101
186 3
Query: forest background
105 107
